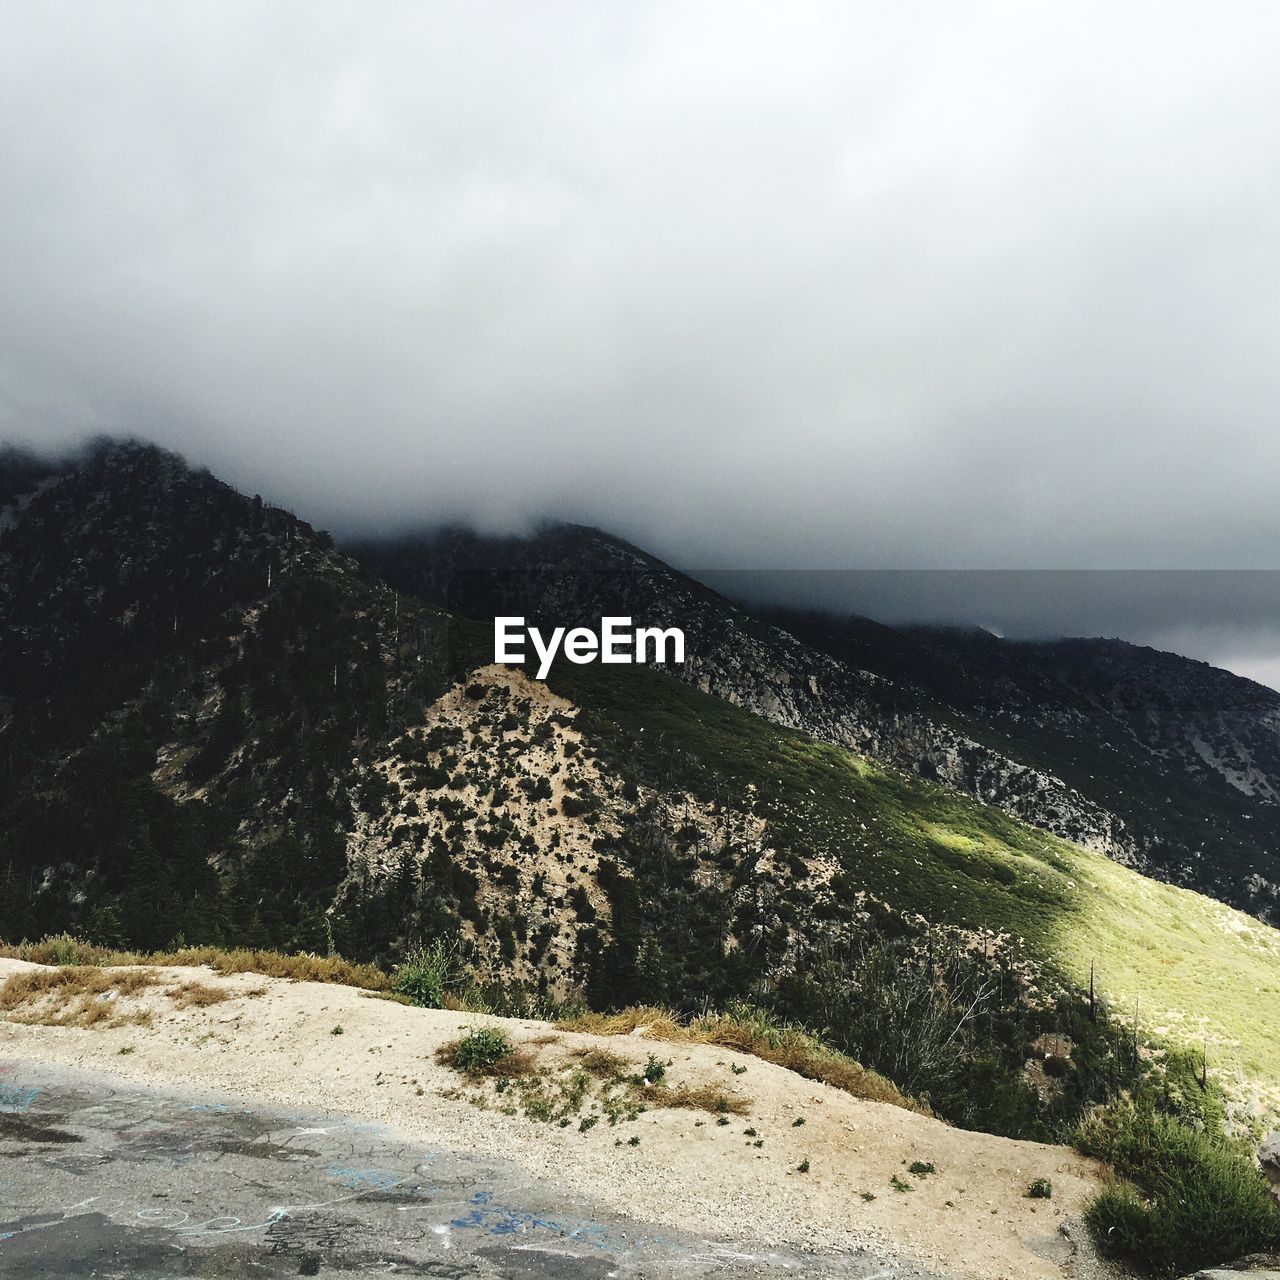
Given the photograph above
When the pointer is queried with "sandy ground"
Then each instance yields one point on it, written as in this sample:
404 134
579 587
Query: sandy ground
274 1041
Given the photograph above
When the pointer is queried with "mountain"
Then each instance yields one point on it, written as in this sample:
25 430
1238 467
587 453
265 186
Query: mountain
218 728
188 678
1161 762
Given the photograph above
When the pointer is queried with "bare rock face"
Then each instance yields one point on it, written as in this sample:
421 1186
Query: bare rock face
1269 1159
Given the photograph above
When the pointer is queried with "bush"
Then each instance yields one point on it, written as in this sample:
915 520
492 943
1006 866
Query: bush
427 974
1182 1199
1040 1189
654 1070
482 1051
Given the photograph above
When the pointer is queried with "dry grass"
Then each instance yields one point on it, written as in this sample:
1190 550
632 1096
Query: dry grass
601 1063
302 967
704 1097
752 1031
649 1021
197 995
92 996
75 996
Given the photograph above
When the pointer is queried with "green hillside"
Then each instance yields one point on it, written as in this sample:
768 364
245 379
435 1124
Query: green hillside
1195 967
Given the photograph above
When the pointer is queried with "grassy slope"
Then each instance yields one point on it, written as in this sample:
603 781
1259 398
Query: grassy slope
1195 966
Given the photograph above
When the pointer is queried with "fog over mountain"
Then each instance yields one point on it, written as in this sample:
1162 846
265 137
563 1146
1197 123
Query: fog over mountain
893 286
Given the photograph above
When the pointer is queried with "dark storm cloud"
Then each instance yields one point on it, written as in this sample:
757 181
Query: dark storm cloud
756 285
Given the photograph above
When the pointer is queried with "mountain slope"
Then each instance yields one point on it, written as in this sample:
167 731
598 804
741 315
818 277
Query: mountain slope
1186 755
1161 762
188 680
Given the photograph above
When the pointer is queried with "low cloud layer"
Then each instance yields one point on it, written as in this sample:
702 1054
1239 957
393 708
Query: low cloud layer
812 285
1228 617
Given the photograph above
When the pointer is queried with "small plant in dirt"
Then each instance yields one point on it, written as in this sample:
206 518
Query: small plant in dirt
336 1031
539 1108
797 1122
737 1070
633 1141
483 1051
655 1070
587 1122
867 1195
803 1166
900 1184
1040 1189
921 1168
427 973
64 950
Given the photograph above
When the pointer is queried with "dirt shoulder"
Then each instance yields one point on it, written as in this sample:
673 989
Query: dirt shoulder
277 1040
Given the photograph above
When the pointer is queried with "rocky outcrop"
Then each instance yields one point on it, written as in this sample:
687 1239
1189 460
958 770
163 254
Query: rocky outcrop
1269 1161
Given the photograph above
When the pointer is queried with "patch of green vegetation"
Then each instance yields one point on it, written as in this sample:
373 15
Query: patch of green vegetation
1040 1189
427 974
479 1052
654 1071
1182 1199
1195 968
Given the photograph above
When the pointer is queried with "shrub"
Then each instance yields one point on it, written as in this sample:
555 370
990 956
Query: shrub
483 1051
1182 1199
654 1070
427 974
1040 1189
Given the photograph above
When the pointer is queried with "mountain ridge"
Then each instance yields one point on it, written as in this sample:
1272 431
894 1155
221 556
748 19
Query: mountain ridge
238 735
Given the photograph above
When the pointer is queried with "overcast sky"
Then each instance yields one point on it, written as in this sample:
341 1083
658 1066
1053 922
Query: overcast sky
929 285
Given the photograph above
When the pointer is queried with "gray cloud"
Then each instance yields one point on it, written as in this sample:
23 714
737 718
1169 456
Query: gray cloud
1230 617
756 285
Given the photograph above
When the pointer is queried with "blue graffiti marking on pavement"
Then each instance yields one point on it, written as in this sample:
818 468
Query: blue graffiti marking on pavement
365 1179
14 1098
503 1220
